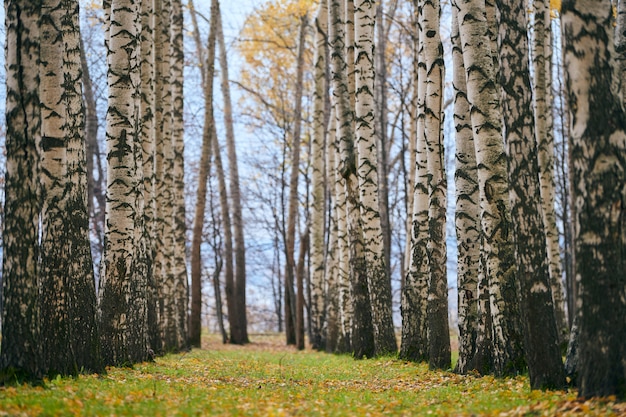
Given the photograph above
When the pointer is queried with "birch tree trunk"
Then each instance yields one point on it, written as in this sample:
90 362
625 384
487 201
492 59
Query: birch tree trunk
542 65
68 297
20 313
541 339
598 146
362 339
378 280
467 215
122 288
181 286
318 180
147 135
239 332
493 185
414 343
439 356
164 173
340 301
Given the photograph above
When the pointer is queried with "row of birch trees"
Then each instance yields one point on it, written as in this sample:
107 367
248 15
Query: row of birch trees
54 320
511 302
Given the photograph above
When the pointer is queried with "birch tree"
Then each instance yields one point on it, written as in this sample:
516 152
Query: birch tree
122 288
181 290
598 149
542 66
362 339
492 178
68 297
20 313
541 339
437 309
414 343
467 214
318 180
378 281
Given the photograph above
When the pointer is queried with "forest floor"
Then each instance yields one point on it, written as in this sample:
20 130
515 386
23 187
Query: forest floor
266 378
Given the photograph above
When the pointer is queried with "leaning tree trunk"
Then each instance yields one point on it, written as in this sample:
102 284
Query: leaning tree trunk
195 323
292 213
20 290
366 140
598 146
542 65
467 214
239 332
541 338
492 177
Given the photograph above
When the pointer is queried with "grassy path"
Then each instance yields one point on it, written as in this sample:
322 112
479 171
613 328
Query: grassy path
268 379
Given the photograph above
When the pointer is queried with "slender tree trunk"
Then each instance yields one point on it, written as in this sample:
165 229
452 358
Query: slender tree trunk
378 280
20 238
318 183
300 268
181 289
437 309
414 344
195 329
542 65
381 131
292 216
339 325
148 145
239 333
467 215
598 146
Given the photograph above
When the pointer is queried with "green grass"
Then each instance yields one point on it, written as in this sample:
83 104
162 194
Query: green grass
267 379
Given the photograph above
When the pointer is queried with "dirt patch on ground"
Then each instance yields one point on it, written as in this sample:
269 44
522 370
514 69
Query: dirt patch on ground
261 342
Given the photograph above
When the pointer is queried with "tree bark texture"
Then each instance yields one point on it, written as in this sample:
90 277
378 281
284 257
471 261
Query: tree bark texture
68 298
598 147
379 281
20 313
467 214
318 180
414 302
542 65
541 338
492 177
181 286
123 322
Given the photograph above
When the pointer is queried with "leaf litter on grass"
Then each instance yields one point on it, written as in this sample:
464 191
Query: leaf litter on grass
267 378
